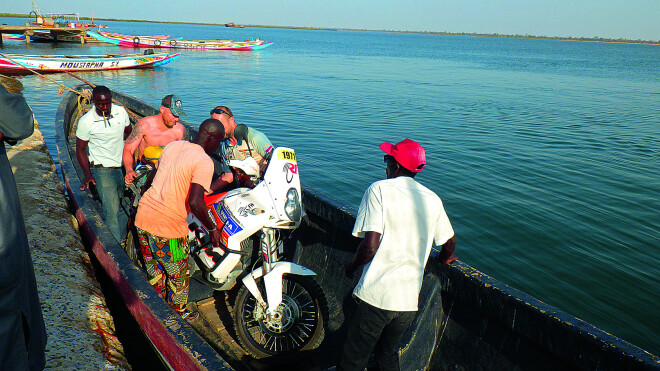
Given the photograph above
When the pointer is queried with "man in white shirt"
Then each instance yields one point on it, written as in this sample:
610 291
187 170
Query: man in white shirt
103 130
399 220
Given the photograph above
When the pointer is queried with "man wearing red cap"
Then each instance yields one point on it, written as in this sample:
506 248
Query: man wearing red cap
399 220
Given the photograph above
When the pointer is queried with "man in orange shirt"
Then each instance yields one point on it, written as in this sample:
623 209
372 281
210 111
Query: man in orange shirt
158 130
183 175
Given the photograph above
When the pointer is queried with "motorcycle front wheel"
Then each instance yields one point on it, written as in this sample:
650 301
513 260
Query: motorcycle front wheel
298 323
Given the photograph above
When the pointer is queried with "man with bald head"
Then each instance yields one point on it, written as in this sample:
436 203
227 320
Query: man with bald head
184 172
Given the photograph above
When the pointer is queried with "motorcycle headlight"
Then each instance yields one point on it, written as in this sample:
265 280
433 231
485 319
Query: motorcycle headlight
292 206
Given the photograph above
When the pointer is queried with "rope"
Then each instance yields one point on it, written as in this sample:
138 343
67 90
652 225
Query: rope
104 334
63 87
38 74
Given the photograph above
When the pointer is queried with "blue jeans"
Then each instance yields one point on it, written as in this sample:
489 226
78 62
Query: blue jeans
110 186
374 329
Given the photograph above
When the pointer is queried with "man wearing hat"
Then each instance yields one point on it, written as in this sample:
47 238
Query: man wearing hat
399 220
158 130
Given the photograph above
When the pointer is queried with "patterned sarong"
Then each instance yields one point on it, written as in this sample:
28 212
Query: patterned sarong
168 277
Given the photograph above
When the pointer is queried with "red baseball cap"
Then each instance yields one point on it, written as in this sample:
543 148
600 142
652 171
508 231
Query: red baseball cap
408 153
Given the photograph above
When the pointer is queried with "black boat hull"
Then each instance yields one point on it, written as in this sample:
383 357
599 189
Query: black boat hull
467 320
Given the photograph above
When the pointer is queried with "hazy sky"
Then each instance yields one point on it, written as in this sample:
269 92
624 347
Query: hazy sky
630 19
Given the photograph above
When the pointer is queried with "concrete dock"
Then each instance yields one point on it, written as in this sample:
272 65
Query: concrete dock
81 331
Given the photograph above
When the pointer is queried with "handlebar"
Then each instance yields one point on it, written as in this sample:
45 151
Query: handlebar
206 241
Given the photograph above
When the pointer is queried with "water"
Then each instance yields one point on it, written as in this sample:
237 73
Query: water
545 153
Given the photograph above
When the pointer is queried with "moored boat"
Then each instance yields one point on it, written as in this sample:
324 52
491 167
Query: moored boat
466 320
20 64
152 42
100 38
9 37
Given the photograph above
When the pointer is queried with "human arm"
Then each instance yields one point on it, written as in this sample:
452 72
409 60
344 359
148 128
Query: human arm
198 208
446 255
365 252
130 146
83 160
368 224
222 182
225 177
260 142
127 131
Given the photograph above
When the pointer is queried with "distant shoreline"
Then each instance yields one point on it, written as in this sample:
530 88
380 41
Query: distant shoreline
556 38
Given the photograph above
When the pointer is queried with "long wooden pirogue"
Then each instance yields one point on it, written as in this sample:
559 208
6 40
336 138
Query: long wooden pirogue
467 320
19 64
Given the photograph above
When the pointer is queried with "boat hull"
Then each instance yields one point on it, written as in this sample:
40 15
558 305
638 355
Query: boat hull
15 64
466 320
151 42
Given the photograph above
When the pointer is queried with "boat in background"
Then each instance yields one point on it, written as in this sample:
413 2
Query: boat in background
100 38
466 319
176 43
20 64
71 20
10 37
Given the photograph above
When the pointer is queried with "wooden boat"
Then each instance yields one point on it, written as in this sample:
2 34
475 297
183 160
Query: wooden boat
466 321
100 38
18 64
11 84
9 37
71 20
150 42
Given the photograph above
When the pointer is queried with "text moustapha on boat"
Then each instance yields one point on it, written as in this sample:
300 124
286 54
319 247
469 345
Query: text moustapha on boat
466 320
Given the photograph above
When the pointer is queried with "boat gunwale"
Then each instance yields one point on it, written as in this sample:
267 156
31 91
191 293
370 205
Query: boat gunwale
89 57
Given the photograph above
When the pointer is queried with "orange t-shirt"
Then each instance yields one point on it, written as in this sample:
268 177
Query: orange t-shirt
164 207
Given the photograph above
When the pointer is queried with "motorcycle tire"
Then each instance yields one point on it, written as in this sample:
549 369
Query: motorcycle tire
299 323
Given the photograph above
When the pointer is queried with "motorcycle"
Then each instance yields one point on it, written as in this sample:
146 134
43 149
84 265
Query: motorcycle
279 308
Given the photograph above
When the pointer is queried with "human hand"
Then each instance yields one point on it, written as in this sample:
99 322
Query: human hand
216 237
86 181
129 177
349 271
448 259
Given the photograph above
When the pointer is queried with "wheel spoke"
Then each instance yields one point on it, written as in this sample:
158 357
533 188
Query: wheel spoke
291 327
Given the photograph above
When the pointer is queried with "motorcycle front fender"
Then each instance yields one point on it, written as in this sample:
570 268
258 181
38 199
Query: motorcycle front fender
273 282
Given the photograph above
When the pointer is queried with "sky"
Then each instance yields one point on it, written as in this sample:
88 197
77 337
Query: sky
628 19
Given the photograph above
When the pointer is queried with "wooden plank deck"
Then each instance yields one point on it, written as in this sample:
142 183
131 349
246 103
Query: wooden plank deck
55 32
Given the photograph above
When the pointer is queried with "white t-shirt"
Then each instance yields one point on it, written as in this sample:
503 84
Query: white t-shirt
105 137
409 218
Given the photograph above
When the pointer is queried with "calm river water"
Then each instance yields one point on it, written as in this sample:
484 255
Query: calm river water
545 153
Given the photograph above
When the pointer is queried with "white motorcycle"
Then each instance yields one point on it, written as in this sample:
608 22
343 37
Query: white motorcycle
280 308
